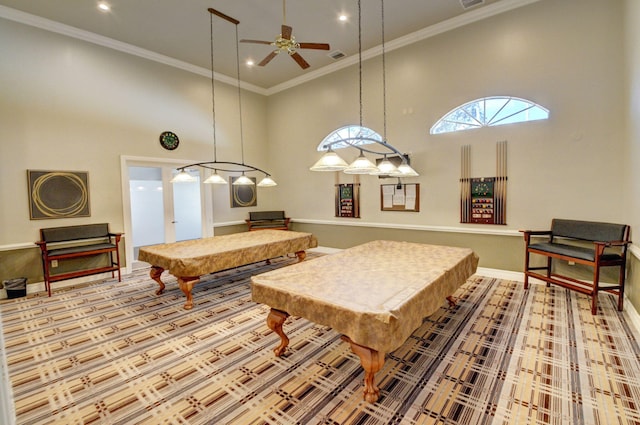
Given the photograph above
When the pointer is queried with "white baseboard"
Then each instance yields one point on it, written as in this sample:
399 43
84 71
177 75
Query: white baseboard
500 274
325 250
629 310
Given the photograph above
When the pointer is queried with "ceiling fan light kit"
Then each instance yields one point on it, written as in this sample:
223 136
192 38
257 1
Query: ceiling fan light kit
286 42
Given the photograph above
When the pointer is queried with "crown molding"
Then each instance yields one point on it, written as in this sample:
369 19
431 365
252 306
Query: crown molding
433 30
423 34
90 37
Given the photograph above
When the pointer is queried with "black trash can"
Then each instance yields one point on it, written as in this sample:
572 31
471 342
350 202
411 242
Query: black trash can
16 288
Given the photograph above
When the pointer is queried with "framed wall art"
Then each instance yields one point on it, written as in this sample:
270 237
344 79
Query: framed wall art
58 194
243 195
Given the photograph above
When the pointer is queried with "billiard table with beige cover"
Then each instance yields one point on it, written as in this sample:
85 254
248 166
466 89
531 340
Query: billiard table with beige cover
375 294
188 260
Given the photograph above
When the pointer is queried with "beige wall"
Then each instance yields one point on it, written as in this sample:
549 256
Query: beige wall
632 192
71 105
563 167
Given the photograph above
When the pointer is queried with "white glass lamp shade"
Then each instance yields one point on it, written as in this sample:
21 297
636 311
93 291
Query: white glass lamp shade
215 178
361 165
330 161
385 167
267 181
243 181
183 177
405 170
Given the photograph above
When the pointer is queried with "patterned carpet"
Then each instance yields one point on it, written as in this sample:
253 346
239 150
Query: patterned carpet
115 353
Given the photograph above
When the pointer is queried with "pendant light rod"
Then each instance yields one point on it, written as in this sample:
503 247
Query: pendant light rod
360 58
353 143
284 12
213 85
384 80
215 165
239 95
223 16
331 161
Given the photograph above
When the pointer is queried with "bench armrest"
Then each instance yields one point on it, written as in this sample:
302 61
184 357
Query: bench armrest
115 235
536 232
600 246
528 233
613 243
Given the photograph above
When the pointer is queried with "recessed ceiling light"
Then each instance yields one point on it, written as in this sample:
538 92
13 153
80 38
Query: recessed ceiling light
343 18
103 6
250 62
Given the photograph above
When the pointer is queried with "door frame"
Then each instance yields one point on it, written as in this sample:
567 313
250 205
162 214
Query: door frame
126 161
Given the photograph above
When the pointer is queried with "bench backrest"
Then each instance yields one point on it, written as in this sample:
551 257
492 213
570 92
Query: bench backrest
70 233
589 230
266 215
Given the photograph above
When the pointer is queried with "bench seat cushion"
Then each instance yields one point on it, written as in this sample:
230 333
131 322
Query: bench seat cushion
572 251
82 248
269 223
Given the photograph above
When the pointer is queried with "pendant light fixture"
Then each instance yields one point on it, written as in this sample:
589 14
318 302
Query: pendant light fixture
224 166
331 161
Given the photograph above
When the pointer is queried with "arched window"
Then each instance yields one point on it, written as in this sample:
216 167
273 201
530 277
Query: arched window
489 111
350 135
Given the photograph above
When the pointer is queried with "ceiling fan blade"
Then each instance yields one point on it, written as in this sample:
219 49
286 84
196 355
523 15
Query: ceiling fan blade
318 46
286 32
268 58
256 41
300 60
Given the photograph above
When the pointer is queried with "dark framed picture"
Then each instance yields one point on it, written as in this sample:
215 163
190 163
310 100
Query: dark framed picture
58 194
243 195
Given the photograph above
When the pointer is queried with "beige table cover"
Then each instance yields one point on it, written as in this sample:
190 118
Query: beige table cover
203 256
377 293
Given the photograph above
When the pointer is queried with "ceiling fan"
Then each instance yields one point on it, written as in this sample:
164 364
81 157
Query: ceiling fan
286 42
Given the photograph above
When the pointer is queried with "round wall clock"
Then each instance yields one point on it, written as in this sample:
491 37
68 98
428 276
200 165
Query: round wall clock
169 140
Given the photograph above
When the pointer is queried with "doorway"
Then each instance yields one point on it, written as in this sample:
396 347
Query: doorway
158 211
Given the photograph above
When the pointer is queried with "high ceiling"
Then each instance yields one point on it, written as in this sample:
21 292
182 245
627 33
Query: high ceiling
180 29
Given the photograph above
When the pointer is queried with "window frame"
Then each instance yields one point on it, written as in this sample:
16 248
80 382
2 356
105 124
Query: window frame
481 118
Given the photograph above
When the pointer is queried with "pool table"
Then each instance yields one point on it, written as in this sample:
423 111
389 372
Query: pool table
375 294
188 260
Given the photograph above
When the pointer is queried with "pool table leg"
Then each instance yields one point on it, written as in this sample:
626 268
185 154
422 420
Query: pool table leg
452 301
186 284
275 320
301 255
372 361
155 274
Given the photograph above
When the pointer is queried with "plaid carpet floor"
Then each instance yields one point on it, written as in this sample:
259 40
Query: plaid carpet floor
116 353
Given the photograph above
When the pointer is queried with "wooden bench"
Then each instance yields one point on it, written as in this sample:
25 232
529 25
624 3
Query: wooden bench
589 243
63 243
259 220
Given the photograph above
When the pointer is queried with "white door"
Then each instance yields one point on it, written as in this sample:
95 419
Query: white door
161 211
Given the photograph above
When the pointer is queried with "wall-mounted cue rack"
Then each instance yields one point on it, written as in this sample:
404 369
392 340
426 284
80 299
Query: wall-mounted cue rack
348 200
483 199
400 197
